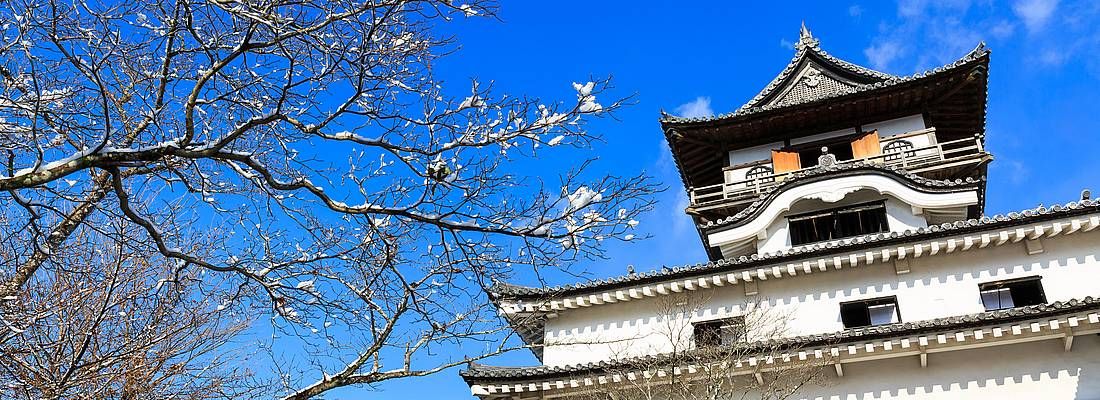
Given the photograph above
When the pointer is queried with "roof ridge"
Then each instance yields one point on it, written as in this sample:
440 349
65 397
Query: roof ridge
884 79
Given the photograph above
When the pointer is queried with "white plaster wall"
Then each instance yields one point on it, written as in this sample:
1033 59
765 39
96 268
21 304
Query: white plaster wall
823 136
896 126
921 144
1035 370
748 155
899 216
757 153
938 286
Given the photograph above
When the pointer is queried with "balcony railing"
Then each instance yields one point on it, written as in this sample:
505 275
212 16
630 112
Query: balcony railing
914 158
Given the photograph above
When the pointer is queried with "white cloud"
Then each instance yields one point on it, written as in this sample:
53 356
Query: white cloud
918 8
700 107
882 54
1018 172
855 10
1002 30
911 8
927 34
1053 57
786 44
1035 13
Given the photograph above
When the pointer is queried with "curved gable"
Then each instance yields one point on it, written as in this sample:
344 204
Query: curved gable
916 192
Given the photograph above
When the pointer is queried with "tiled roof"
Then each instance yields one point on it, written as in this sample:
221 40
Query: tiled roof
1041 213
480 372
838 170
810 46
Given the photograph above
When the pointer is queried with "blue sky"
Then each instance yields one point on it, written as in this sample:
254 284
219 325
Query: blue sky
710 57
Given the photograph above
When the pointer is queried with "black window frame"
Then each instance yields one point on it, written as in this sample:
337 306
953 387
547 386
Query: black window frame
709 333
865 305
796 228
1015 286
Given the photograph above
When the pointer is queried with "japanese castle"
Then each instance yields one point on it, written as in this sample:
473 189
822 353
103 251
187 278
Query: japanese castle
842 210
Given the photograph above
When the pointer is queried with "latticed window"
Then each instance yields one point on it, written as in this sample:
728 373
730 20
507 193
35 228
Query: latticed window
838 223
896 149
760 172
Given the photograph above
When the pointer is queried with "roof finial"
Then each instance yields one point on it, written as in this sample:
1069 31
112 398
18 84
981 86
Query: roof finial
805 38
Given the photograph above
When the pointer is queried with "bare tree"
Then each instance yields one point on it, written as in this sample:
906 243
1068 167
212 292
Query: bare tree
302 157
119 323
742 357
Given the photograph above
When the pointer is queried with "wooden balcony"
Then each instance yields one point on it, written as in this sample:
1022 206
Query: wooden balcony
917 152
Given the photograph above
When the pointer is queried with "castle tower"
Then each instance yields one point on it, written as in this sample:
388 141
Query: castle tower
842 210
930 125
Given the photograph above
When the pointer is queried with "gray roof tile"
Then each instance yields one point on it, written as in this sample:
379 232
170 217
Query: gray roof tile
805 48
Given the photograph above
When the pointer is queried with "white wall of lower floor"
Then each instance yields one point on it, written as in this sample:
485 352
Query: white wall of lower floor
1035 370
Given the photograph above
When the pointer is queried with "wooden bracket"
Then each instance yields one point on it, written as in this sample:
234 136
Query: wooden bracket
1033 246
901 266
751 288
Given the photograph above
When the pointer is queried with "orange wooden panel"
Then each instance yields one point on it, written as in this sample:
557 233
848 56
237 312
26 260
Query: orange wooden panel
866 146
783 161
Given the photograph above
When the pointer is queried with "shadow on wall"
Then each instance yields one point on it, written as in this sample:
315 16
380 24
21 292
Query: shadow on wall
1029 370
925 275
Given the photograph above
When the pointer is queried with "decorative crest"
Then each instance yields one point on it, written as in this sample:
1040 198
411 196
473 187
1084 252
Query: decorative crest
826 159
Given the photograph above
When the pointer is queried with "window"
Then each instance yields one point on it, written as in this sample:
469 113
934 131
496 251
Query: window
760 171
838 223
719 332
1012 293
880 311
897 148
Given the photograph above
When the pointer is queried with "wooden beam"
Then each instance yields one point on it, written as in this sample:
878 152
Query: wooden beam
839 370
1067 341
679 136
901 266
751 289
1033 246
